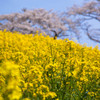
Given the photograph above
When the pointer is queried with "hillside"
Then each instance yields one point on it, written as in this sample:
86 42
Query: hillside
42 68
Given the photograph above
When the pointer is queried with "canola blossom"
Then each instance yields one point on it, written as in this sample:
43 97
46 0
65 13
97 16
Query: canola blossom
42 68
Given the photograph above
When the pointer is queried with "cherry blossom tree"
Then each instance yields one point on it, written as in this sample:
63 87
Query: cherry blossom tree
29 21
90 11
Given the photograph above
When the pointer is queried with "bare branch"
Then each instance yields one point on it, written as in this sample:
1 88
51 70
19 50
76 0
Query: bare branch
89 11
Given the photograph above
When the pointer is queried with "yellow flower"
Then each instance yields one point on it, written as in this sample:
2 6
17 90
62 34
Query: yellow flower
39 67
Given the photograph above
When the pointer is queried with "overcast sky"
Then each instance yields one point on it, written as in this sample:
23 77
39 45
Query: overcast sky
11 6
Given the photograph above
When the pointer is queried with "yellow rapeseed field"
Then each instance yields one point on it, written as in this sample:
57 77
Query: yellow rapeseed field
42 68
